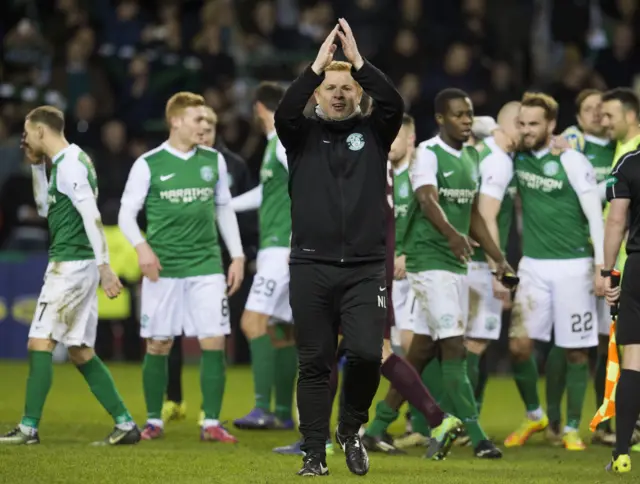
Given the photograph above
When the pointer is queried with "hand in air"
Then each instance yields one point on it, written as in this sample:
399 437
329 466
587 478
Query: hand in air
349 45
325 54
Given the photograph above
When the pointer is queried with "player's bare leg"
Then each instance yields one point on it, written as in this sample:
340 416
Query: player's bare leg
286 369
100 382
154 382
255 328
526 377
212 382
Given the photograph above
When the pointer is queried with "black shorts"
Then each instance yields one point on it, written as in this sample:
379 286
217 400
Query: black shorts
628 326
391 318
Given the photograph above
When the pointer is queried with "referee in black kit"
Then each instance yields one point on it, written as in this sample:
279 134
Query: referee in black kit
338 175
623 191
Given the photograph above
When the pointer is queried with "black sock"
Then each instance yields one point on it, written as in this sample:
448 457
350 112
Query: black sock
627 409
174 384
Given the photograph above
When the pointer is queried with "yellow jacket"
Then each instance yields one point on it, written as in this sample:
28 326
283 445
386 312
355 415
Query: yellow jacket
124 262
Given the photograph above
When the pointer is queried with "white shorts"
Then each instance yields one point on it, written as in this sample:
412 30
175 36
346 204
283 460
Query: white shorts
67 309
270 289
604 316
414 311
442 303
485 311
558 295
195 306
402 296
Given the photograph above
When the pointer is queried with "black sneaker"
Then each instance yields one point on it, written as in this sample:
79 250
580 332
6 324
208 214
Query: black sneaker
313 465
380 444
387 437
18 437
487 450
356 454
121 437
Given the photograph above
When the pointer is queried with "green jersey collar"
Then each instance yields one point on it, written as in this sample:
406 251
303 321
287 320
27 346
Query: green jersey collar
60 154
596 140
178 154
447 148
541 153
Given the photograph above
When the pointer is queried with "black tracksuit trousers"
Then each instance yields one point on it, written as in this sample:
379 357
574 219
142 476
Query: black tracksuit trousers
324 299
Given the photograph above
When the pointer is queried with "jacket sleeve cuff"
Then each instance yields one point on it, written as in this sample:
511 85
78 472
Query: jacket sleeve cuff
364 70
309 76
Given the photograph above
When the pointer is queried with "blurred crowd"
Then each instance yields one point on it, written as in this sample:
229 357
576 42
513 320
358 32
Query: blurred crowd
112 64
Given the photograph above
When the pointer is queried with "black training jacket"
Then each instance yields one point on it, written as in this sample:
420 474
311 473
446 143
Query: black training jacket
338 171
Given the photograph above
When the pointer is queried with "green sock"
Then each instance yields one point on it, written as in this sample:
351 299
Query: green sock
38 386
212 380
458 387
432 379
263 368
577 380
419 422
103 387
286 361
154 381
473 372
526 376
385 416
479 390
555 371
599 385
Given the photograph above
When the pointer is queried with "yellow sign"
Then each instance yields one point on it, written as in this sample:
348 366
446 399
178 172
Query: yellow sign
23 309
3 309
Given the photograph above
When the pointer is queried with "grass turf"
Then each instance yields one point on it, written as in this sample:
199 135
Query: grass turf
73 419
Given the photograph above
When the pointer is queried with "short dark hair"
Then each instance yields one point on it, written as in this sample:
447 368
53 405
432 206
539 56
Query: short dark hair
627 98
441 103
50 116
543 101
270 94
584 94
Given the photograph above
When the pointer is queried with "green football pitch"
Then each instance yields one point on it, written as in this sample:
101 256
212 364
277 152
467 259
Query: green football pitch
73 419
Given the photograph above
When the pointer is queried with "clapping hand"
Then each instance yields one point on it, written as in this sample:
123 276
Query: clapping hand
325 54
349 45
328 48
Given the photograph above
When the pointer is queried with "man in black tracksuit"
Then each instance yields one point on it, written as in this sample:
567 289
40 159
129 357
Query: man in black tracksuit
337 165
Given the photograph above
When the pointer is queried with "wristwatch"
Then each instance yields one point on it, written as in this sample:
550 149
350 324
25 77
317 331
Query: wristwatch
605 273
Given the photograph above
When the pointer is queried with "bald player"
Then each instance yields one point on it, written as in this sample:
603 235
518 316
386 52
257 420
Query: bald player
486 294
